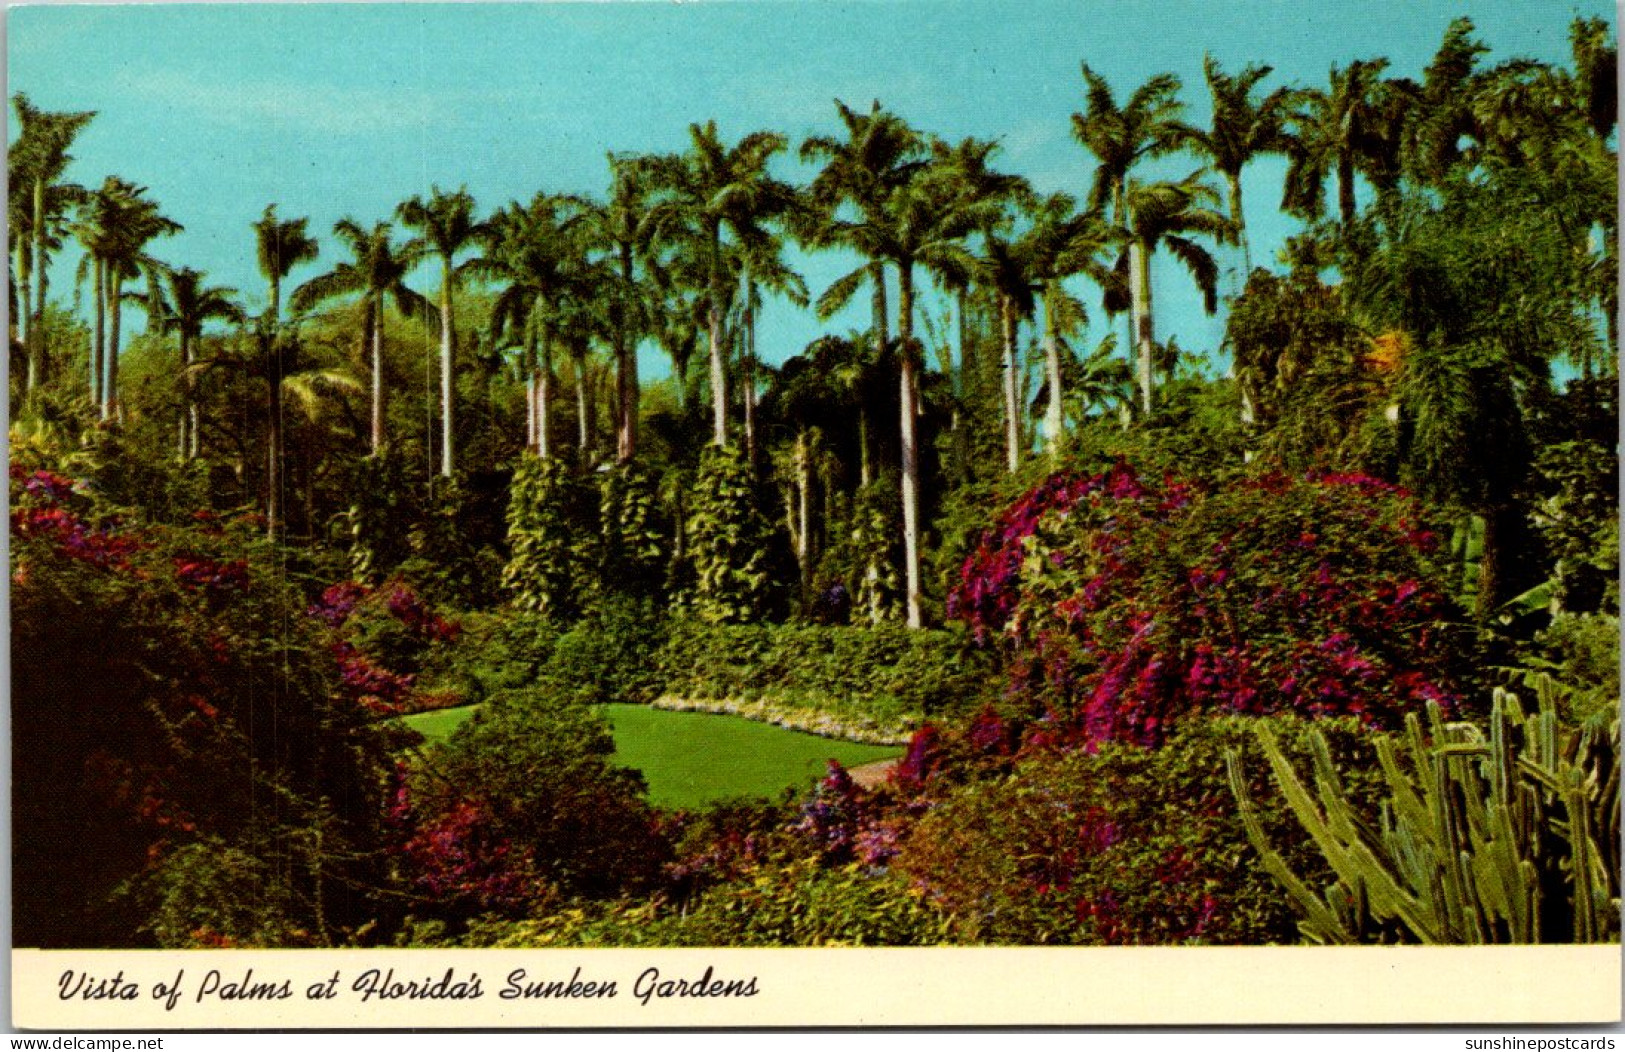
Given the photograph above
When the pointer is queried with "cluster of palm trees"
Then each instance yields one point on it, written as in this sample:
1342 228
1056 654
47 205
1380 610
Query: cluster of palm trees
689 243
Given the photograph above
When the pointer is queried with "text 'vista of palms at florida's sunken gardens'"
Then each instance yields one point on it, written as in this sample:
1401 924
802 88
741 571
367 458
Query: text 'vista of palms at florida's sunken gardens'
1041 485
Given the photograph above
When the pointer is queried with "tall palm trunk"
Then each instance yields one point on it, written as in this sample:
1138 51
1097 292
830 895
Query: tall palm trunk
275 466
115 292
719 376
23 268
803 509
377 377
98 342
626 374
749 381
527 373
544 396
1240 219
1052 368
447 336
1139 269
908 410
583 415
35 339
1012 407
882 336
189 412
1345 187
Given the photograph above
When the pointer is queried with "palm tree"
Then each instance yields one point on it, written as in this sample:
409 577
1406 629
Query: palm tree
1243 129
1353 126
1170 215
761 267
376 273
922 222
282 245
35 164
879 154
625 226
1146 126
115 223
711 191
189 305
448 226
1060 243
1001 272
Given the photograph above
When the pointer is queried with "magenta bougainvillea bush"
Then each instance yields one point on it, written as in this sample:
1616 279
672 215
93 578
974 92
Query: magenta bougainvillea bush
1123 603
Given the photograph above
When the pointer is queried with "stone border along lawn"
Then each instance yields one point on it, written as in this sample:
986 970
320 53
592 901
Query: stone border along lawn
694 758
796 718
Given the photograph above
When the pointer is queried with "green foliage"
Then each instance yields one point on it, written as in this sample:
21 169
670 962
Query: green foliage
1578 520
1578 657
175 694
1509 835
375 528
453 561
209 894
610 655
550 539
522 806
862 556
633 535
728 540
1125 845
867 683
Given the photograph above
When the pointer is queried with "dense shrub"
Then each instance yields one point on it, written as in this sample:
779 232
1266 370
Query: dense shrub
171 701
1125 845
611 655
551 532
1125 603
728 541
521 808
863 682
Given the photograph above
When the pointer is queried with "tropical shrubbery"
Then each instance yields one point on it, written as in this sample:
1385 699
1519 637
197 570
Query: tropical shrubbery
866 683
177 711
1125 604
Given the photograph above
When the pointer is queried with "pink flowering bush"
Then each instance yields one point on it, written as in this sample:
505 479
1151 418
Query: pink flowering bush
170 707
1123 604
380 637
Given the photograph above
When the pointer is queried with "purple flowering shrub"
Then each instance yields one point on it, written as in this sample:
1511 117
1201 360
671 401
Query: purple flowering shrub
380 636
169 703
1123 604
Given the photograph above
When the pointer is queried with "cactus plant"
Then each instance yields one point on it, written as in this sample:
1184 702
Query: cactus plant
1504 836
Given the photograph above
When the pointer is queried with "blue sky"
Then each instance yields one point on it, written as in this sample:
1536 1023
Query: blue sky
329 111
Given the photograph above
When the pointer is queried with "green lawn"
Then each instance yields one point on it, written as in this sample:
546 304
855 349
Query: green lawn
692 758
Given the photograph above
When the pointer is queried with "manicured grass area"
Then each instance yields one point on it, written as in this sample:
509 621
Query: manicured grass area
690 758
438 725
693 758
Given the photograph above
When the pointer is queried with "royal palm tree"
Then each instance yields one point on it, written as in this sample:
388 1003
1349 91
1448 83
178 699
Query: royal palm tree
447 226
1060 243
1355 126
1166 215
625 227
1001 271
281 245
1243 128
922 223
880 154
376 273
189 305
115 224
719 197
35 166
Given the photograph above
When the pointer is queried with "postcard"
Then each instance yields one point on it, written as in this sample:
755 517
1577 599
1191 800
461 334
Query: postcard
558 515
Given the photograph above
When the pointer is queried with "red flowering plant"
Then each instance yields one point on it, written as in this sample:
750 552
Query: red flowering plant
379 639
1124 604
165 693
